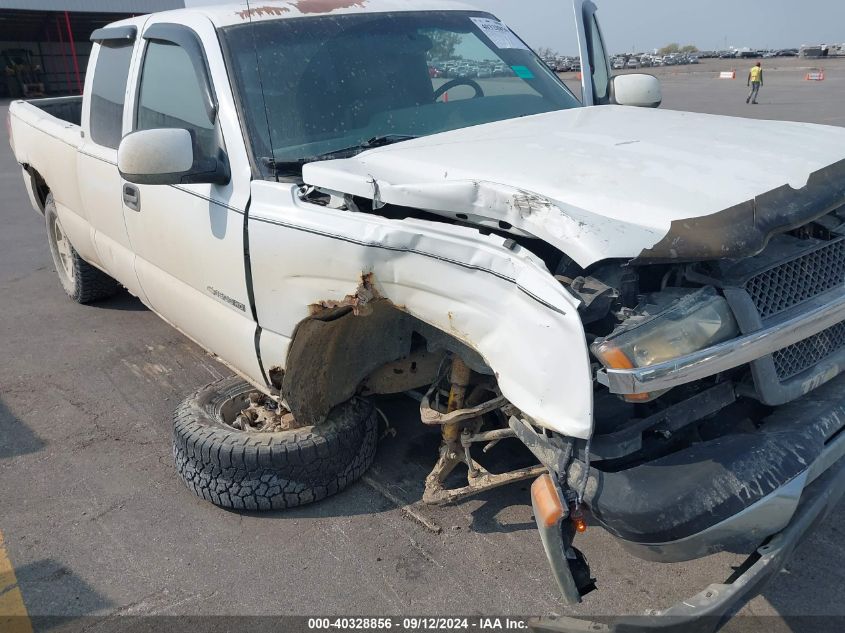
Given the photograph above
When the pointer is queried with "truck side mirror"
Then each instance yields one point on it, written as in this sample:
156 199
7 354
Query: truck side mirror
637 89
166 156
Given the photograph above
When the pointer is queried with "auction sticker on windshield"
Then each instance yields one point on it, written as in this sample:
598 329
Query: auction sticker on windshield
498 33
523 72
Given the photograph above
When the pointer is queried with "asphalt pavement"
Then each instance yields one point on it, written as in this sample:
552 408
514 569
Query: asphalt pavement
96 521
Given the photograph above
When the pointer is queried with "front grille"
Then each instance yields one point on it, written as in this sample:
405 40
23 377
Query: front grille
792 360
793 282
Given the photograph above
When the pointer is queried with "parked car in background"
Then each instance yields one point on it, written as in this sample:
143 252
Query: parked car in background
501 70
466 71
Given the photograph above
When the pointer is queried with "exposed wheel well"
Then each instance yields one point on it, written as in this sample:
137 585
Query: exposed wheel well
39 186
343 350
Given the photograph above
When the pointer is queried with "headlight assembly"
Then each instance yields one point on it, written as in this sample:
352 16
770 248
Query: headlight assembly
692 322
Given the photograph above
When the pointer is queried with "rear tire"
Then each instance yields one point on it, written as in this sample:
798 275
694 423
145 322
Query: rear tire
268 471
81 281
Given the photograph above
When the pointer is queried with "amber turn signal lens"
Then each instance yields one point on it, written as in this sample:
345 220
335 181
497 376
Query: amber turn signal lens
580 524
546 501
615 358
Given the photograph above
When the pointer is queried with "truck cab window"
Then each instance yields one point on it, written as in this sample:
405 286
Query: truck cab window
108 93
598 61
171 96
319 84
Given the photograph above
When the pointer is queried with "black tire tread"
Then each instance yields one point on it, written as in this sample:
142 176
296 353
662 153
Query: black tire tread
252 471
90 284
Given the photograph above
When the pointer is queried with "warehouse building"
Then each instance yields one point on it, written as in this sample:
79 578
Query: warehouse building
44 44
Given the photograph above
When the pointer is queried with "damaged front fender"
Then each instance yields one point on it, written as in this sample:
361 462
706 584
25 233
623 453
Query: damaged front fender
495 298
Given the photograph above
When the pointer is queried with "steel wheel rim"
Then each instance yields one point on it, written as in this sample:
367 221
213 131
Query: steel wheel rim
64 251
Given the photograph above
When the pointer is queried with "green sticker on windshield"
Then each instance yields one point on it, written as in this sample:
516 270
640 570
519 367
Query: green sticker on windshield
523 72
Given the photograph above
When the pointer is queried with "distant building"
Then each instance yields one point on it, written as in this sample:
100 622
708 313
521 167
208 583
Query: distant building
813 51
823 50
44 44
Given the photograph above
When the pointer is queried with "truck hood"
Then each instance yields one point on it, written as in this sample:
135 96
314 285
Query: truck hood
612 181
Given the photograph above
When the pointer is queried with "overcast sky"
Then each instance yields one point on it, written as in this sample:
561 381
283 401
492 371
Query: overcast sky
646 24
643 25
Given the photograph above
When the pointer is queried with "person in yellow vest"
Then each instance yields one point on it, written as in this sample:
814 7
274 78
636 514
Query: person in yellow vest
755 80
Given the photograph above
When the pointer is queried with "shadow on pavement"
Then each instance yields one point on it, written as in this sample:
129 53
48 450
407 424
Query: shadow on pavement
121 301
51 589
485 518
16 438
407 452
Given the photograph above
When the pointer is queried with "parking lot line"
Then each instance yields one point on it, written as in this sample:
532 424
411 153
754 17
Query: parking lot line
13 615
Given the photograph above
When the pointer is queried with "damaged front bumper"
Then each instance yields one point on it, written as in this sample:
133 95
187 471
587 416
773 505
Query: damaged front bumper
709 610
771 485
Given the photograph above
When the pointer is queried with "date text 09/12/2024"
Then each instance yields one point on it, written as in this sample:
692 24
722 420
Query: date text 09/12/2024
409 624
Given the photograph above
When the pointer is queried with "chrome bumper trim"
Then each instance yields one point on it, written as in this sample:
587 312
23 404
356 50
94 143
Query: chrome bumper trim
724 356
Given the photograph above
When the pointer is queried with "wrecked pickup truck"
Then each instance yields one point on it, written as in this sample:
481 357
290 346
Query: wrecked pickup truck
345 199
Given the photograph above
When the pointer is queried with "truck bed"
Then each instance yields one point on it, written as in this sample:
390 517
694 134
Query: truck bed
67 109
46 135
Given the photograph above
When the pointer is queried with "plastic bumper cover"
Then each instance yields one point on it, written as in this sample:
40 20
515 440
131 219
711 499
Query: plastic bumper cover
711 608
730 492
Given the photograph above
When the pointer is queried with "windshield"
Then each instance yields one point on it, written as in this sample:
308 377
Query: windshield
313 87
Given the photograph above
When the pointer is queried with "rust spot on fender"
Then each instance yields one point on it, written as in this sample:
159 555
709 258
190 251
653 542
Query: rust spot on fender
359 301
327 6
258 12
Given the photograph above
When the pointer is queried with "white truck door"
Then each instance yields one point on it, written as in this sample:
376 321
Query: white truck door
595 64
189 238
102 125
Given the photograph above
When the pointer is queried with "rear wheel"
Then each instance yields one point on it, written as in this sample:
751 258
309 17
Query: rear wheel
80 280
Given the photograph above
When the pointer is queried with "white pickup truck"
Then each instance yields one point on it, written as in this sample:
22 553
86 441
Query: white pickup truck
342 199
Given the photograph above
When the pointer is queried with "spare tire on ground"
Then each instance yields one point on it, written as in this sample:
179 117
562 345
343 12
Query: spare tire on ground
268 471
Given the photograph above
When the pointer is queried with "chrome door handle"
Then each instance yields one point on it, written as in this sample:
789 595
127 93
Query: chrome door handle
132 197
